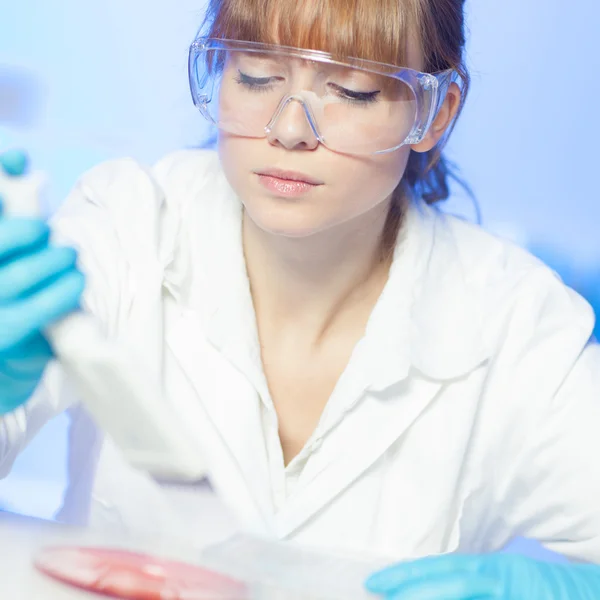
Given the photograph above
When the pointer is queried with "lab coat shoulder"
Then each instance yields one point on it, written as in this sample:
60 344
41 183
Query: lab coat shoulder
540 403
515 293
483 297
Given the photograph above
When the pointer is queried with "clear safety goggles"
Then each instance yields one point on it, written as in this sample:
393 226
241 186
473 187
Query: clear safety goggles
353 106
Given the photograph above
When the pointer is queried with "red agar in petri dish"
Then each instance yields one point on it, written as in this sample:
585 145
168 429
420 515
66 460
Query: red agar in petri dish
133 576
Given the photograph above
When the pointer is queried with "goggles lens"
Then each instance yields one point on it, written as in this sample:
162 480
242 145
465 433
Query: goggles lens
352 110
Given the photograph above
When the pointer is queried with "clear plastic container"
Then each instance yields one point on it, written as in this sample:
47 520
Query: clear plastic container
283 570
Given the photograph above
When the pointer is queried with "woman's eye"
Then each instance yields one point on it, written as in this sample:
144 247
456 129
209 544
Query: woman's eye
355 97
254 83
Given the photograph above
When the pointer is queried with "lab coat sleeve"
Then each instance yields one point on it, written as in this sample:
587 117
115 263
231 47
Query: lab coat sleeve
81 222
548 484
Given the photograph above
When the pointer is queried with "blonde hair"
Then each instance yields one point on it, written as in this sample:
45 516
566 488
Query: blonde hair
371 29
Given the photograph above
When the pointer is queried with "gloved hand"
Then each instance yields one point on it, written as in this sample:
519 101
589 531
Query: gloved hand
39 284
486 577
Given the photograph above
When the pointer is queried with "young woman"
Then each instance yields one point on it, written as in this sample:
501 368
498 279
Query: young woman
364 371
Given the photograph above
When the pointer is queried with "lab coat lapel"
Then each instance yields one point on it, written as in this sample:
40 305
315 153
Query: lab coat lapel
362 437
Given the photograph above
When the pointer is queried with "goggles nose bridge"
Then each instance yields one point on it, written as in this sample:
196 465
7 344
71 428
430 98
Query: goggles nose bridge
308 113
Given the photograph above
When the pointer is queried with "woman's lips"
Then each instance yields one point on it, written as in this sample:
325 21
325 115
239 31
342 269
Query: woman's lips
289 188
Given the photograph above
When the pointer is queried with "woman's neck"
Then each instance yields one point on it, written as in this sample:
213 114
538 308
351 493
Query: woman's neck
313 283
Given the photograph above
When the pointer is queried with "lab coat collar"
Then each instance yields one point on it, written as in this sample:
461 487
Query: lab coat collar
426 319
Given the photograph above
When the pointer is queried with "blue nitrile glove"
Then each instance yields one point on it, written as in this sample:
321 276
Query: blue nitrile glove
39 284
486 577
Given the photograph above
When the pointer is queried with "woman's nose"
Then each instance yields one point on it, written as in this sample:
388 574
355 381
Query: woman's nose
290 127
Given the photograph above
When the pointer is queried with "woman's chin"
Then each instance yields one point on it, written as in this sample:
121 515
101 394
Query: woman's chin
289 223
289 230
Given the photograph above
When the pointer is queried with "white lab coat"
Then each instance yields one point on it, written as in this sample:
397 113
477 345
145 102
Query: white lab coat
468 414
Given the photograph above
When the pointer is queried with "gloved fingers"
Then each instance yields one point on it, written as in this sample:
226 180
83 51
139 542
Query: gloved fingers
34 313
431 566
450 586
14 393
21 276
14 162
27 359
21 235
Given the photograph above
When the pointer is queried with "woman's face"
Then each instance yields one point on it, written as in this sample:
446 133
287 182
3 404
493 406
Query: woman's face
331 188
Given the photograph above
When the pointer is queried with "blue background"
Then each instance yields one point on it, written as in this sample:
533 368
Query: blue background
109 79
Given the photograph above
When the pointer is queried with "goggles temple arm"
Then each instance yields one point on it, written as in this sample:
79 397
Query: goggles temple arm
441 84
444 80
